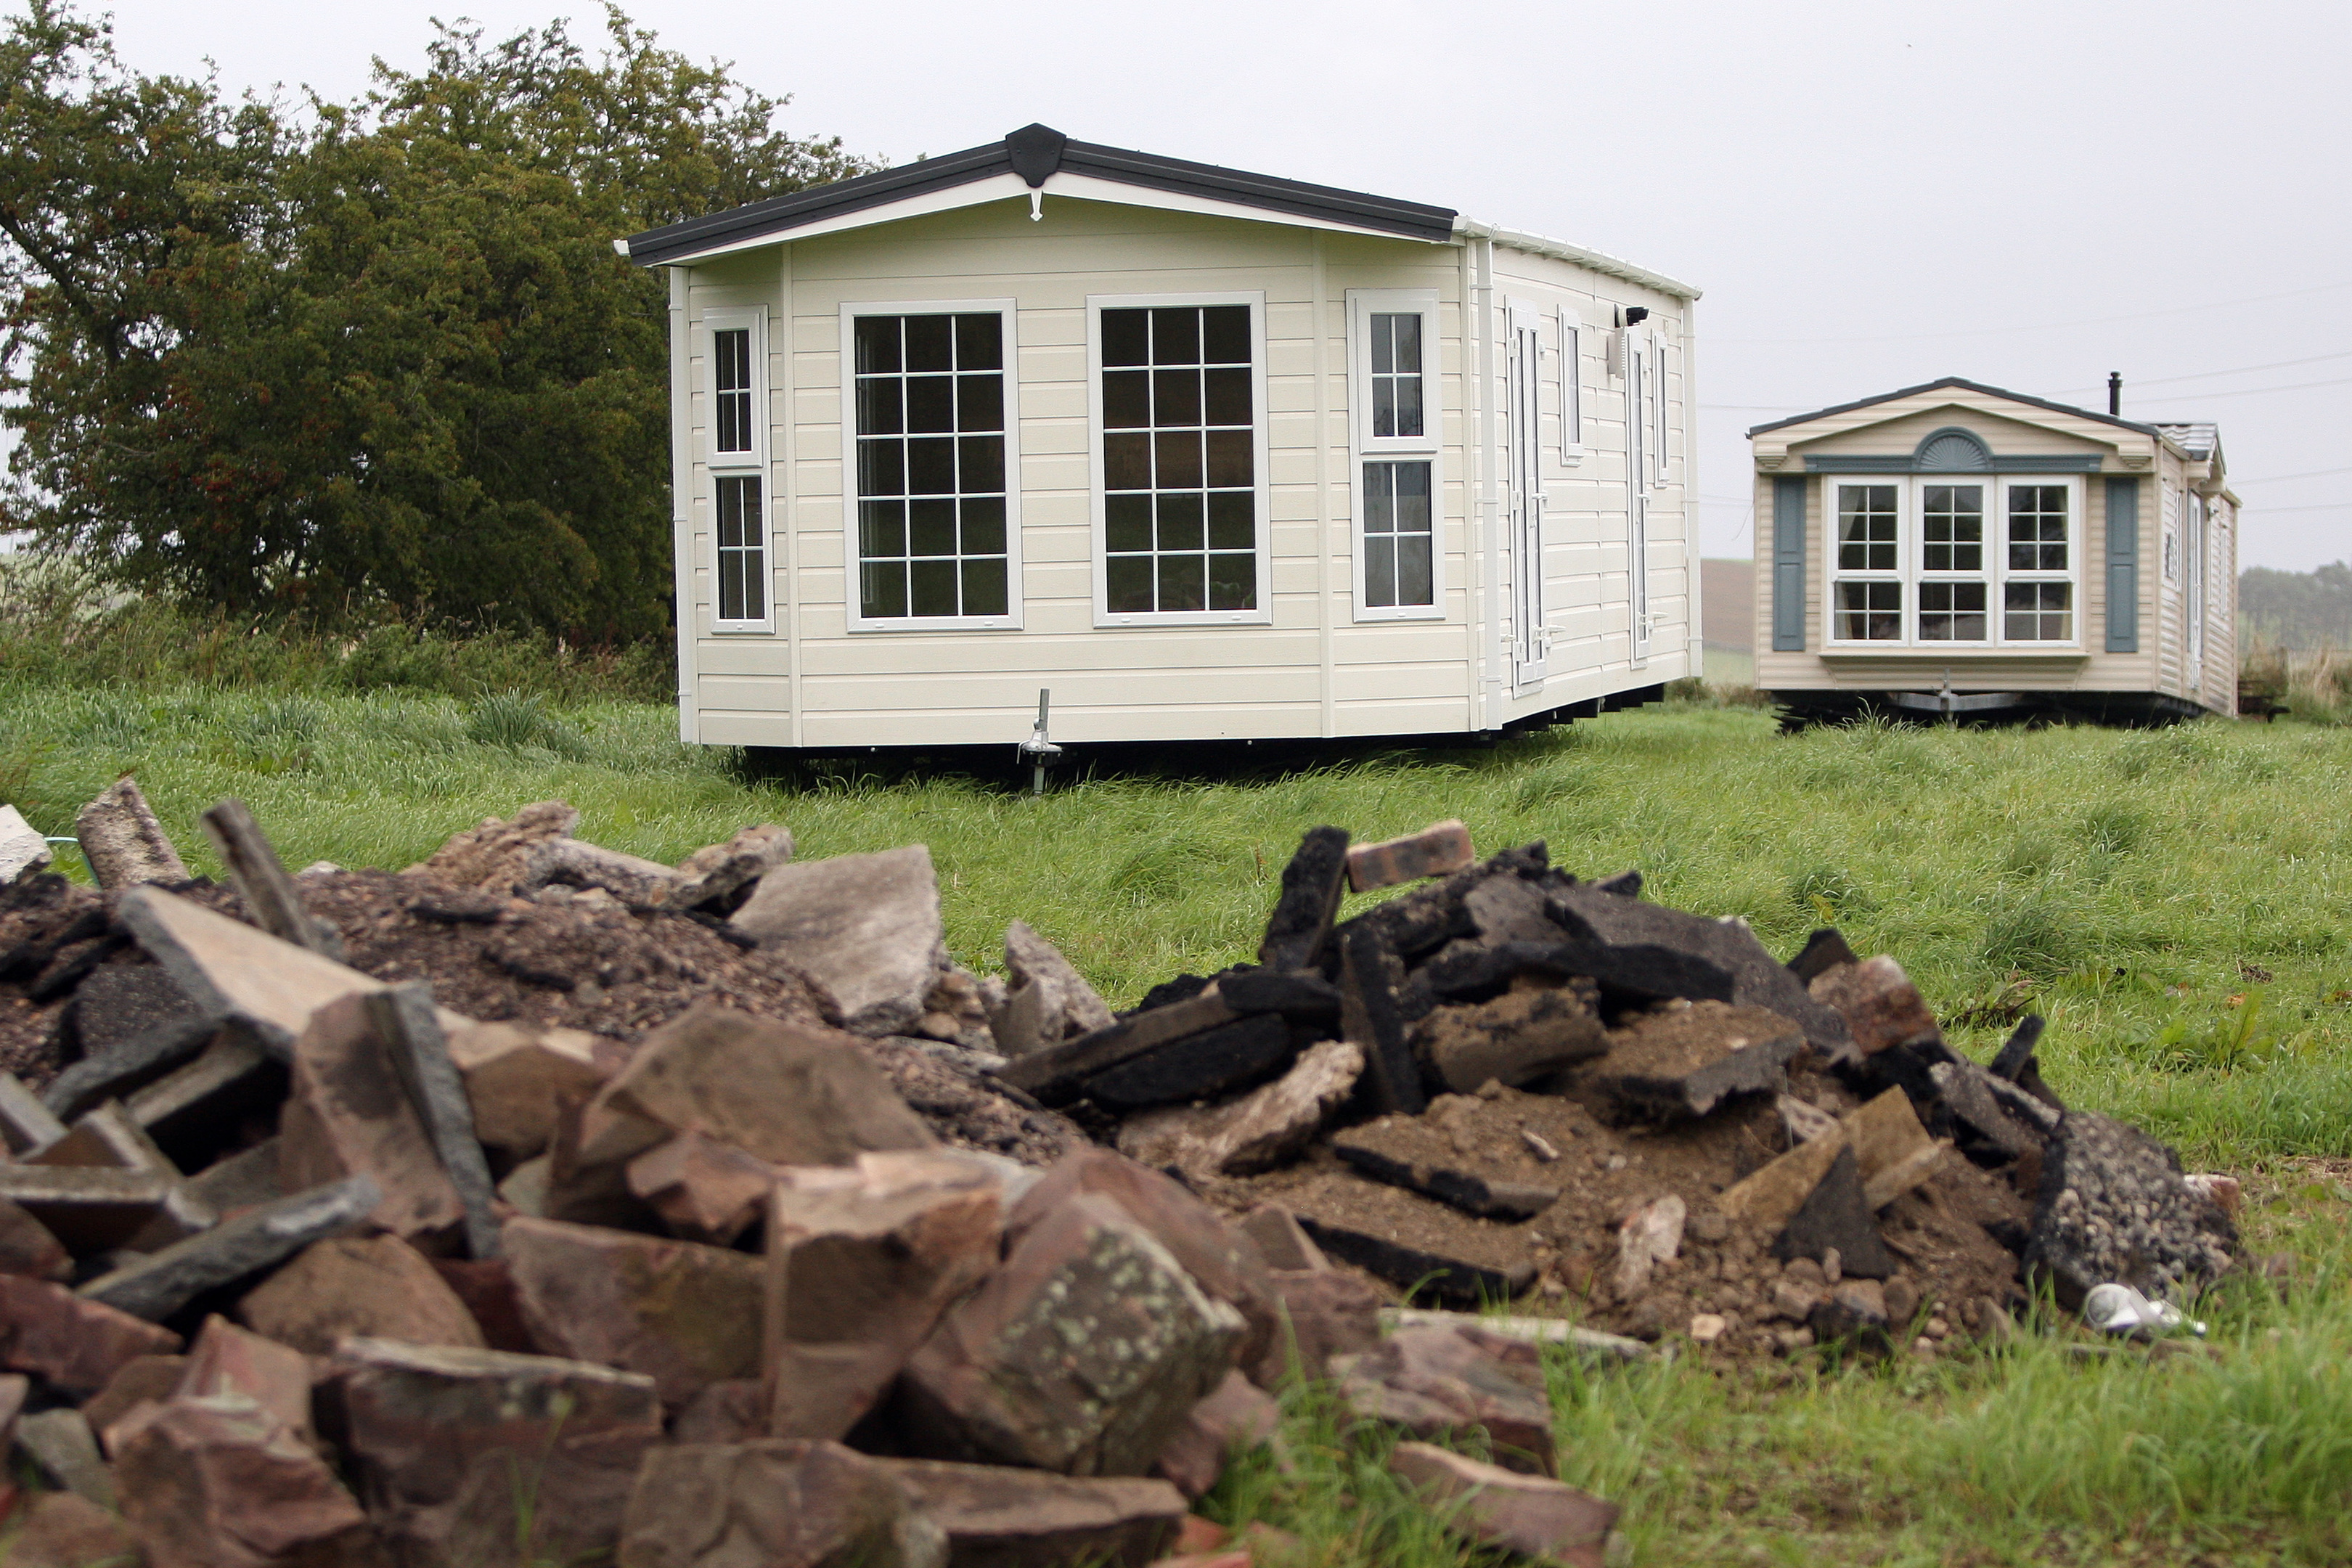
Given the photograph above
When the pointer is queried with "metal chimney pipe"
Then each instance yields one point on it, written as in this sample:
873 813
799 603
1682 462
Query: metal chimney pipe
2115 392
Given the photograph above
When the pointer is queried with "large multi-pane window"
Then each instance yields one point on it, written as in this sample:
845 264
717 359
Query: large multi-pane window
936 506
1393 411
735 454
1180 459
1932 560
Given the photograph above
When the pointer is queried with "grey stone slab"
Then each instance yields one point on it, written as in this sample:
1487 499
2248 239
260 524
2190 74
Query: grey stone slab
23 852
260 879
865 929
232 970
158 1286
124 1068
123 842
245 1180
89 1208
720 876
225 1067
61 1443
26 1124
405 1018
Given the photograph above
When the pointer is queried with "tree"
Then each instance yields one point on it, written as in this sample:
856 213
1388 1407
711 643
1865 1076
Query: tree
365 359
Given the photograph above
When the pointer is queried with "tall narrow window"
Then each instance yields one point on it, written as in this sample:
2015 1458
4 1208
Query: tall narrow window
742 550
1179 459
935 523
1952 576
2037 605
735 457
1394 414
730 384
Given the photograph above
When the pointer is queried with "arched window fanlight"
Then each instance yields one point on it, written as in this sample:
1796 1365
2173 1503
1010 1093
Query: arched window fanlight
1952 450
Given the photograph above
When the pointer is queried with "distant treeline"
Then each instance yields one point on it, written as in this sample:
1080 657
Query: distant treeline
2298 609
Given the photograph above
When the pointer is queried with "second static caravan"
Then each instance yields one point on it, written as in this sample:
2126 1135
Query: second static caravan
1210 455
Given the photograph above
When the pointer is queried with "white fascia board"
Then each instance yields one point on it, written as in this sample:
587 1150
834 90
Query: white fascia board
1561 250
1009 187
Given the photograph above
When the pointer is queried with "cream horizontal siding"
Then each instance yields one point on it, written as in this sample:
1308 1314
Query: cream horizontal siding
2006 437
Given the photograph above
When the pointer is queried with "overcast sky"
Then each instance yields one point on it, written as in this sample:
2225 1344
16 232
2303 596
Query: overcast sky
1871 192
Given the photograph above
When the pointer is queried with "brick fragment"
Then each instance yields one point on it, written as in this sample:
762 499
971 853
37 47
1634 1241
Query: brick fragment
1438 850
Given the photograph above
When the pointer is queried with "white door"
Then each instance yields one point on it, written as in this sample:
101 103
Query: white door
1639 389
1526 440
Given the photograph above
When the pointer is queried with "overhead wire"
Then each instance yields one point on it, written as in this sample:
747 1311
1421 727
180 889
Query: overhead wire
2210 375
2052 326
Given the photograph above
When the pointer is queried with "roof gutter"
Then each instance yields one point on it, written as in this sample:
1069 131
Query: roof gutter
1561 250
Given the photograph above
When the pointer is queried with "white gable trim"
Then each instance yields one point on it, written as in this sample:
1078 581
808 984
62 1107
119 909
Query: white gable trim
1772 448
1009 187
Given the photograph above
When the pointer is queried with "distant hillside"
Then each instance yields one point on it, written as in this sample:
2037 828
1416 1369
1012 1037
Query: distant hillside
2298 609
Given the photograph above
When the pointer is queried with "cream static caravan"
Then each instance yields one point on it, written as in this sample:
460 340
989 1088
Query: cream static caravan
1954 548
1209 455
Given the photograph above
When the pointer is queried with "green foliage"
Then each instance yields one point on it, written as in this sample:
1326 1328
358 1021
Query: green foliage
376 360
2301 610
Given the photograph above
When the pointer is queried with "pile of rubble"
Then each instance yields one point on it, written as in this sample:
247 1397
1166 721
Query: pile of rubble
540 1201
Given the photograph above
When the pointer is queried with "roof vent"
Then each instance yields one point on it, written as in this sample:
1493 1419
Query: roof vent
1036 152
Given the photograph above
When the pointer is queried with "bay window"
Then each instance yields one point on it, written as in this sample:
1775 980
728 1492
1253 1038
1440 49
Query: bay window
1393 416
1934 560
933 460
1180 459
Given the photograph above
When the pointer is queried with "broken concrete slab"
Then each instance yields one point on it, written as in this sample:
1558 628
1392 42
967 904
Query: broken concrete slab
29 1248
1438 850
434 1434
704 1190
1081 1354
1197 1066
1257 1130
1891 1149
860 1265
1001 1517
491 855
864 928
60 1443
219 1482
26 1124
24 851
1442 1383
260 879
89 1208
1516 1038
1372 1020
121 841
75 1343
1234 1417
2113 1206
1032 961
228 1359
350 1115
1326 1313
517 1075
778 1504
1532 1516
718 877
685 1314
1680 1063
1312 885
230 969
377 1287
1758 980
156 1287
790 1093
1405 1152
1835 1216
1880 1005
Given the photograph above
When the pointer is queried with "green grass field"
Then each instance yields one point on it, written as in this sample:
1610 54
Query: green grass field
2174 901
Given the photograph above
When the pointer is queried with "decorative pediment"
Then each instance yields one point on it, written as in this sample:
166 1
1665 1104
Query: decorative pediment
1952 451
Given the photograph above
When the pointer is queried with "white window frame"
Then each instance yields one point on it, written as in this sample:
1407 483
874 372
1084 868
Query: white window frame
852 590
1663 473
754 464
2196 591
1910 539
1363 304
1571 387
1098 494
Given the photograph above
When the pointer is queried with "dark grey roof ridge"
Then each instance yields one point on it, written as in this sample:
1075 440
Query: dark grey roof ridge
2028 398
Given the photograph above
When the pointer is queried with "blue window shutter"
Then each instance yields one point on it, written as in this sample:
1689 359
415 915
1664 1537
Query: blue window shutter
2123 565
1789 563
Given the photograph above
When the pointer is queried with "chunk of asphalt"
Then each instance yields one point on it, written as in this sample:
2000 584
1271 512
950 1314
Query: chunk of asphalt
1631 974
1466 1190
1837 1215
1823 951
1198 1066
1372 1020
1312 884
